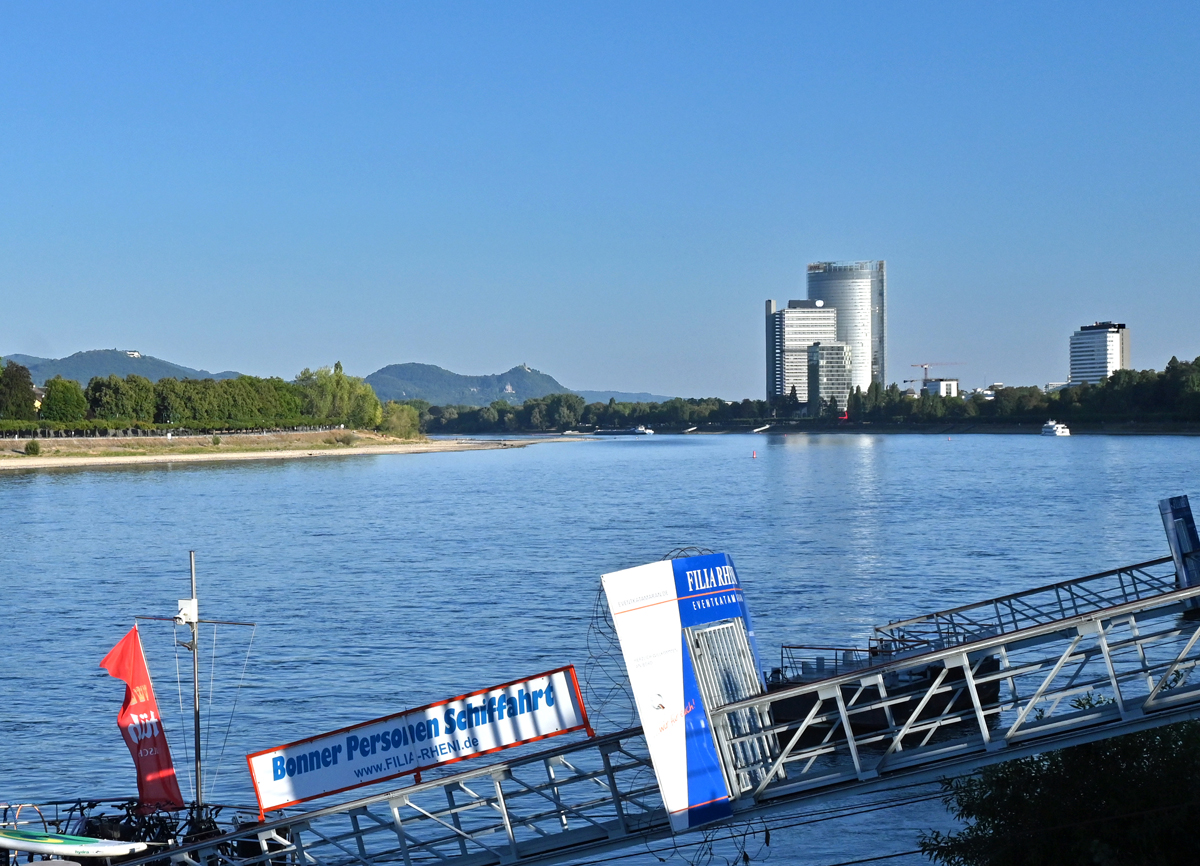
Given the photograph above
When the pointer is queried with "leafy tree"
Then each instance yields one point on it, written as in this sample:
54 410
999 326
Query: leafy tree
139 396
856 405
115 399
537 417
873 398
106 397
64 401
789 404
332 395
400 420
16 393
1124 800
170 403
564 410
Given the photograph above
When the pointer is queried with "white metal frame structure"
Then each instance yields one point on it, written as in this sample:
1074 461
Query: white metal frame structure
941 695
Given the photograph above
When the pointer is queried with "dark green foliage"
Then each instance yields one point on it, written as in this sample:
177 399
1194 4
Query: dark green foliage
64 401
115 399
32 448
559 412
16 393
1127 800
1172 395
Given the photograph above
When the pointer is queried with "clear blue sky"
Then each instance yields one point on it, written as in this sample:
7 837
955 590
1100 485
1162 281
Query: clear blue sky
607 192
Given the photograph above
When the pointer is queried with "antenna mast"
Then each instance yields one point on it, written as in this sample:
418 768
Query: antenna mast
189 613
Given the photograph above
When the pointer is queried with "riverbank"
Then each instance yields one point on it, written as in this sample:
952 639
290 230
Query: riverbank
947 428
140 450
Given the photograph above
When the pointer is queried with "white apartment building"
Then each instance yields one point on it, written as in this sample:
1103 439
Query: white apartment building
1097 351
790 331
940 387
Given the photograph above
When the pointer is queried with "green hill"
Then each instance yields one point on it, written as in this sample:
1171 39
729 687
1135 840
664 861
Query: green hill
394 382
443 388
83 366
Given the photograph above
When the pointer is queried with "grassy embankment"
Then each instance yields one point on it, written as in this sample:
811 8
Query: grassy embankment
134 446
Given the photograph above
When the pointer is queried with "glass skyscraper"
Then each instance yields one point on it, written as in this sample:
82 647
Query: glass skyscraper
858 291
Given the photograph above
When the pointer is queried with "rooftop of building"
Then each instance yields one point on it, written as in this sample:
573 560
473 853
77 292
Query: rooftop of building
821 267
1103 326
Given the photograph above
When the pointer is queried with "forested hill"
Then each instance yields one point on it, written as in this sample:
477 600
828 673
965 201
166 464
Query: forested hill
443 388
84 366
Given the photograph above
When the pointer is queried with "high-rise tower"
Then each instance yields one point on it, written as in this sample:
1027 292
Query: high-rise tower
858 290
790 332
1097 351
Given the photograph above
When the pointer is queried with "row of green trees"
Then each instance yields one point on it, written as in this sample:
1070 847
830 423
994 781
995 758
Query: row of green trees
566 411
1172 394
323 396
1128 395
328 395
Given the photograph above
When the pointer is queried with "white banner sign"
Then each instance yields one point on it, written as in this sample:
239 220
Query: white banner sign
476 724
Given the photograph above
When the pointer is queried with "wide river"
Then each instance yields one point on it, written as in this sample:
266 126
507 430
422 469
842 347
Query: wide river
380 583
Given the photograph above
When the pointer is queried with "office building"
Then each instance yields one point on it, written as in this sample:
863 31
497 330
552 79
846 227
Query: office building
790 331
1097 351
858 290
940 387
830 371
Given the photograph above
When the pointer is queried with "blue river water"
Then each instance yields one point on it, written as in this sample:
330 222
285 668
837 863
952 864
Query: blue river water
380 583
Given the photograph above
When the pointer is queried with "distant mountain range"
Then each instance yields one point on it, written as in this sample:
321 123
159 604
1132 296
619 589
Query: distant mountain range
84 366
444 388
394 382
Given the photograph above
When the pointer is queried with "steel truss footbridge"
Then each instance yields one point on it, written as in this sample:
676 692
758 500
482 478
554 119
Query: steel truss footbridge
935 696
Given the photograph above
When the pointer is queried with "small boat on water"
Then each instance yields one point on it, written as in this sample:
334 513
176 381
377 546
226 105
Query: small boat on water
640 430
1053 428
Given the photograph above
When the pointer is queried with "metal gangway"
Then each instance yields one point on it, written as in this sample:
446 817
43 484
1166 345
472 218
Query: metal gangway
939 695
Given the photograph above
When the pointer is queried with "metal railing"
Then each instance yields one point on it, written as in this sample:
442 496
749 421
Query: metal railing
1031 607
1065 664
1084 677
584 797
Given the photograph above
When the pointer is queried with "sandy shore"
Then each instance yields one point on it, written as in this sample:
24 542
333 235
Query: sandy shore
142 451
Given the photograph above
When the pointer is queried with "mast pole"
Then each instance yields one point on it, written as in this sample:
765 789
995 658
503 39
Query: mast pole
195 626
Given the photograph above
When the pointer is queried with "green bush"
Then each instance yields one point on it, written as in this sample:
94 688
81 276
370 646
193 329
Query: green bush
216 440
400 420
32 448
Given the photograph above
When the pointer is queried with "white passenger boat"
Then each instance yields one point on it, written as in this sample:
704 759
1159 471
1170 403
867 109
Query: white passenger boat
1053 428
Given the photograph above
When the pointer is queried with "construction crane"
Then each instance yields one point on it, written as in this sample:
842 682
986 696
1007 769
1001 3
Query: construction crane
925 369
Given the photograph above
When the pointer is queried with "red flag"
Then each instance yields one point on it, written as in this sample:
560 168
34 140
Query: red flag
140 725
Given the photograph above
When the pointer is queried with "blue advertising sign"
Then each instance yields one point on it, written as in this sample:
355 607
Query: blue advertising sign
655 608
